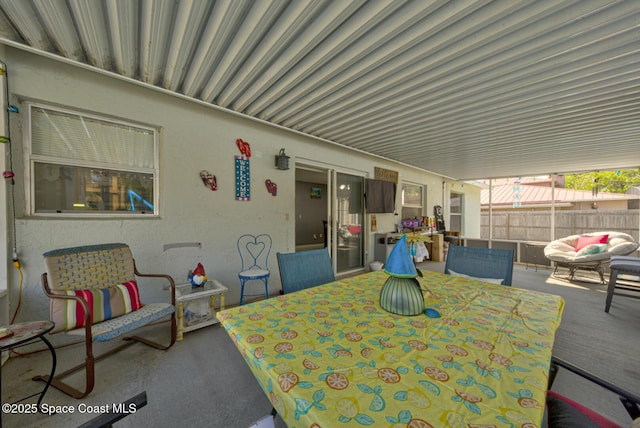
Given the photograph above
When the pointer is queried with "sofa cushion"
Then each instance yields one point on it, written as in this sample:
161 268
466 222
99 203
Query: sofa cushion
620 246
591 249
104 304
583 241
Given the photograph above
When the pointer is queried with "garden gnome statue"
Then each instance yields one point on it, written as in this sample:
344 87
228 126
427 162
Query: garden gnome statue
197 277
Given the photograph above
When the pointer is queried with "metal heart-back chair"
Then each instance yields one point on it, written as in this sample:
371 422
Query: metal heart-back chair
254 254
304 269
480 263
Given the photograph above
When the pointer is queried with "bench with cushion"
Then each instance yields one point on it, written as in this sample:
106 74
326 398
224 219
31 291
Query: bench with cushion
94 294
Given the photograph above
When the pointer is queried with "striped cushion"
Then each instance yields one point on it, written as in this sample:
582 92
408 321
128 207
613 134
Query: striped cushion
104 304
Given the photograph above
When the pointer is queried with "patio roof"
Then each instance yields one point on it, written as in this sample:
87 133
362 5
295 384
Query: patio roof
465 89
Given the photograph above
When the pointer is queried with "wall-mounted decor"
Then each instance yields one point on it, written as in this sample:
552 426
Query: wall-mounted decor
243 178
209 180
244 147
271 187
385 174
243 188
282 160
316 193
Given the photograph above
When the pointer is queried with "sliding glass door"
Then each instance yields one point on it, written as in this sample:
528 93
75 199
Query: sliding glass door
349 231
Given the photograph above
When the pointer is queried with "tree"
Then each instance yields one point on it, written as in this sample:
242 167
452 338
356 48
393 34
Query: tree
604 181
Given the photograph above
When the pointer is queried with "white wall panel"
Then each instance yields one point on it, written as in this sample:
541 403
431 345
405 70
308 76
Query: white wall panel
193 138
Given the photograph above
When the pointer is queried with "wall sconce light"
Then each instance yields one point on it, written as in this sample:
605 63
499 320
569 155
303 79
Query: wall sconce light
282 160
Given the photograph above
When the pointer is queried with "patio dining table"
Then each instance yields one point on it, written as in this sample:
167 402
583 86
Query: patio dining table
331 356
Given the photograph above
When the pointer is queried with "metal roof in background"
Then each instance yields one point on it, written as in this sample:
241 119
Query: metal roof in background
529 195
466 89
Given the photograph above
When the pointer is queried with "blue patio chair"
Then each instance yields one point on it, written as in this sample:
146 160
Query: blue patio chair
485 264
254 253
304 269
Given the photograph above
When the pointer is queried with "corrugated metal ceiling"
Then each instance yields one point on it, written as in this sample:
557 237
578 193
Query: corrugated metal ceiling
466 89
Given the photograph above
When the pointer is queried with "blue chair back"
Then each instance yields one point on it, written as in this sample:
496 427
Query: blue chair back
480 262
304 269
254 251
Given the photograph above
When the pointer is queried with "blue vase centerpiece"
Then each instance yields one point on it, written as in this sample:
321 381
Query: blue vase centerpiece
401 293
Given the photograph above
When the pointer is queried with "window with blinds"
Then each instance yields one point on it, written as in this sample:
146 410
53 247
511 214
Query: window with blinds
88 165
412 195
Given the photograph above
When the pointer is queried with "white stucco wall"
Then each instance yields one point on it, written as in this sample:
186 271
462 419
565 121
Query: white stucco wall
193 137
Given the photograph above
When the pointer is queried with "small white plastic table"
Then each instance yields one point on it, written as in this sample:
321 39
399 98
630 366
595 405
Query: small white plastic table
193 310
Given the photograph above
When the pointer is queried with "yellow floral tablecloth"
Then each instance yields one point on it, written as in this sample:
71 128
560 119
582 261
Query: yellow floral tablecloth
329 356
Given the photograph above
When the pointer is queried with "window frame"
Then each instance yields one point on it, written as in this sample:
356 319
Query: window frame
30 160
460 215
414 206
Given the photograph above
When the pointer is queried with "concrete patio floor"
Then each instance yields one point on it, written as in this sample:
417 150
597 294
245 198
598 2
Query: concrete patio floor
203 380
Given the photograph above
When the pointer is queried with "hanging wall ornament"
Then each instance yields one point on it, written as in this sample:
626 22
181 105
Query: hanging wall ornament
243 181
516 193
244 147
271 187
209 180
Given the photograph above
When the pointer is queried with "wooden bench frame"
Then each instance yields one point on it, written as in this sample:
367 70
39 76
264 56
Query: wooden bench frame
83 253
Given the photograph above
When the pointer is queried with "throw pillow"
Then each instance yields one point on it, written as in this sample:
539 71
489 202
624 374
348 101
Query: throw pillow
490 280
592 249
104 304
583 241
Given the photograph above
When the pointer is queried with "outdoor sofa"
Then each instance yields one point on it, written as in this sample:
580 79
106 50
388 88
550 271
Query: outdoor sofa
589 251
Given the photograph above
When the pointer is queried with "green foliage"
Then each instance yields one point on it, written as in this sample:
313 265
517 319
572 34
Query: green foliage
607 181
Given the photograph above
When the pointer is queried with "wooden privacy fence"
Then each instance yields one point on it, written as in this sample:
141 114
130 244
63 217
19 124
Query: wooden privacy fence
536 225
527 232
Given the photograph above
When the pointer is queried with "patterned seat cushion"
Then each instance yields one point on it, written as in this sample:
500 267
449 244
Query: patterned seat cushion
107 330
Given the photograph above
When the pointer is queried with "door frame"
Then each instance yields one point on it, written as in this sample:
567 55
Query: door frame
332 235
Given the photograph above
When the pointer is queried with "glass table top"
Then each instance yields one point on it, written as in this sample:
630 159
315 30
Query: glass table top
209 286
